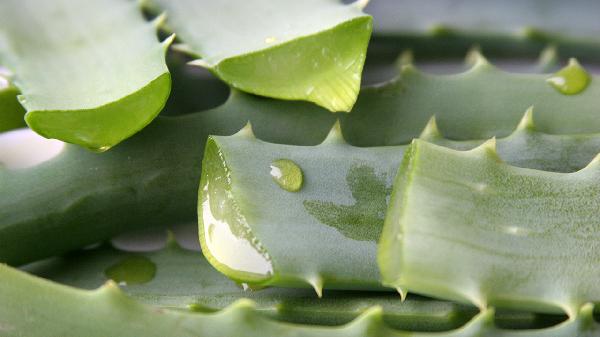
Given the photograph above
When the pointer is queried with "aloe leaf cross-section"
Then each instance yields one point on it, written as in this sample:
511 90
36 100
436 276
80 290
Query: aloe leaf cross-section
464 225
310 50
90 73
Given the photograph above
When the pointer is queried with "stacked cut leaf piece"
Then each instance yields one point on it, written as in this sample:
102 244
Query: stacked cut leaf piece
472 195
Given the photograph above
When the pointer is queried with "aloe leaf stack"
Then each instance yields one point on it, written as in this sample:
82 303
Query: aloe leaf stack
428 205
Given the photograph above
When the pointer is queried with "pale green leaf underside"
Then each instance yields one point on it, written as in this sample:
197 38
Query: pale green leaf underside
37 307
185 280
324 235
502 28
466 226
89 73
300 50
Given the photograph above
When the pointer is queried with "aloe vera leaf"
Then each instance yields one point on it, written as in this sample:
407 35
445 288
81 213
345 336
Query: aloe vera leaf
505 29
384 116
477 104
310 50
184 279
490 233
149 180
11 112
91 74
38 307
323 236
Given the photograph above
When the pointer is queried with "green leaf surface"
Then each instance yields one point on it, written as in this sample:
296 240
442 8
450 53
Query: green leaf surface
37 307
324 235
433 29
467 226
300 50
184 279
90 73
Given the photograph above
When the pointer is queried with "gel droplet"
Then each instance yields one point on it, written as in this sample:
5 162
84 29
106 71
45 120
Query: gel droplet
287 174
571 79
132 270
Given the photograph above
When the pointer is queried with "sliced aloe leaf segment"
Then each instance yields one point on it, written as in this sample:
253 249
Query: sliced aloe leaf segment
90 73
323 234
300 50
467 226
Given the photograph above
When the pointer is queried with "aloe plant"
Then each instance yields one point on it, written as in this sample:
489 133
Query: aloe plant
384 116
93 74
308 50
324 233
500 232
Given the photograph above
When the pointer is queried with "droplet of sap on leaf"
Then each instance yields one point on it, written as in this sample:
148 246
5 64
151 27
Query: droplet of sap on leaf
132 270
571 79
287 174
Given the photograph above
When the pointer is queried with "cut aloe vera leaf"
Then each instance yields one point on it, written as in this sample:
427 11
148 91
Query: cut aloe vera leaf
323 234
93 212
184 279
506 29
300 50
467 226
11 112
90 197
38 307
91 73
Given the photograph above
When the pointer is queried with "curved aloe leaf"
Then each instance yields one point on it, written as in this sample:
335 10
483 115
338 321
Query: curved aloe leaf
11 112
502 28
324 234
131 186
466 226
122 196
302 50
478 104
90 73
38 307
184 279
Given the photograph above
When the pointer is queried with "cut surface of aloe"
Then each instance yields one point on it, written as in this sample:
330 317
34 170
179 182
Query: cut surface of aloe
467 226
309 50
184 279
323 234
89 73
